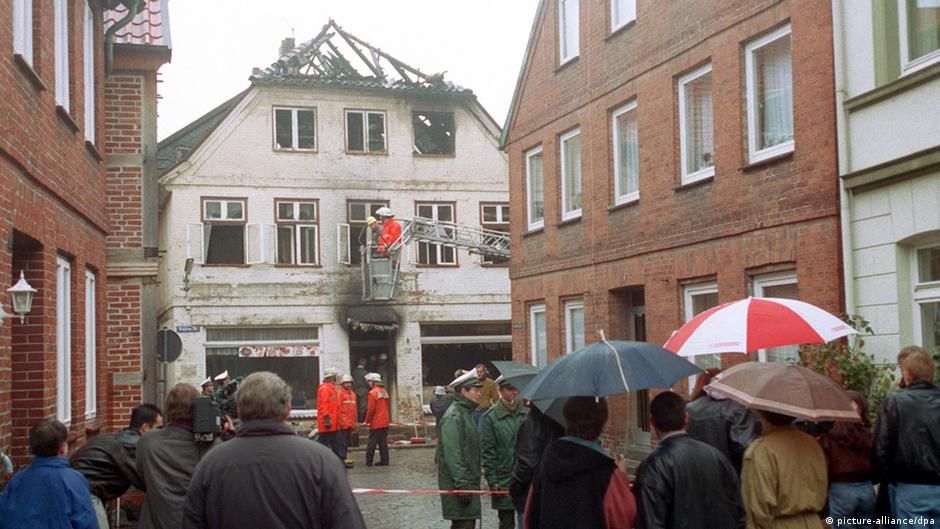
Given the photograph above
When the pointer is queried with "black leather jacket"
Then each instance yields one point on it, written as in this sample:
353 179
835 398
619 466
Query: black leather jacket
687 484
906 446
109 463
724 424
536 432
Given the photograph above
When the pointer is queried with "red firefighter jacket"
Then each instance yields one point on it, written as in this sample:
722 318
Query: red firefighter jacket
327 408
347 409
377 411
391 230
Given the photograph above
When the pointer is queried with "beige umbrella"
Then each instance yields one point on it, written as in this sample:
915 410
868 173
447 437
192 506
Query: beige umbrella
787 389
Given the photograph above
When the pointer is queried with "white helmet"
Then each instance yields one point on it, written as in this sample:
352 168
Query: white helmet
330 372
346 378
384 212
374 377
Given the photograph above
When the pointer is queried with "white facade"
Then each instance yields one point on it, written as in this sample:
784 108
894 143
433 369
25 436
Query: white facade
239 162
888 88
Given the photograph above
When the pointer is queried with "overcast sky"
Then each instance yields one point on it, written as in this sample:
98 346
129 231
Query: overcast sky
479 43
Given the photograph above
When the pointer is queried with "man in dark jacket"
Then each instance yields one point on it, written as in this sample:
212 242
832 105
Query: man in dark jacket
721 422
535 434
167 458
109 461
906 447
685 483
267 476
458 454
497 439
440 403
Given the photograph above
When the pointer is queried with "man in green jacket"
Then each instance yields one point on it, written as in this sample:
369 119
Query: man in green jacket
497 444
458 454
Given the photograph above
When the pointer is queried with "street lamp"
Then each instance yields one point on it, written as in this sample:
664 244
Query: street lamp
21 295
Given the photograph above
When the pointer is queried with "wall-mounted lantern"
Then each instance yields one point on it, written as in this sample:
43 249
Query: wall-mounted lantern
21 295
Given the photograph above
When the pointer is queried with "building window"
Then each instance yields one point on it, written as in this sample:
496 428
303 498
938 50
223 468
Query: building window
920 33
290 352
434 133
62 94
356 233
365 131
698 298
538 336
778 285
574 326
63 333
696 136
91 348
88 50
436 254
622 12
297 232
535 189
445 345
567 30
926 297
626 154
23 30
224 231
494 216
769 95
571 175
295 129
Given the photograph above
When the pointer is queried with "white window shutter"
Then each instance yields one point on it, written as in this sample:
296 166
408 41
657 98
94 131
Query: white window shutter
268 241
194 242
342 243
253 244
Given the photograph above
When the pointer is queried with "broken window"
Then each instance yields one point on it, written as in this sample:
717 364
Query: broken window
436 254
224 231
365 131
358 211
297 232
434 133
494 216
295 129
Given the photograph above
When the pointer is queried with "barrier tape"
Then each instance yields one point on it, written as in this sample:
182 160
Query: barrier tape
431 491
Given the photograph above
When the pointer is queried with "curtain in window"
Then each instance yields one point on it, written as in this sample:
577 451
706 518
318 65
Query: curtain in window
774 93
699 131
536 188
572 173
923 27
628 146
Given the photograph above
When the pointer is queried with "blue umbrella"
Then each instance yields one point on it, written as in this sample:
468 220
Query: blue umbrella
519 375
608 368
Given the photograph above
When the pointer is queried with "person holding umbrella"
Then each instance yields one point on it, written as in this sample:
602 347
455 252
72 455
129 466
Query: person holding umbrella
721 422
497 439
458 454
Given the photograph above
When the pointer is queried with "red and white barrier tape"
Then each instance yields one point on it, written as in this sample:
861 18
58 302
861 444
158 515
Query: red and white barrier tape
430 491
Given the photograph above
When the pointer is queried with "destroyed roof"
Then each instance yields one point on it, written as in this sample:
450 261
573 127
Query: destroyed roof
337 58
179 147
150 27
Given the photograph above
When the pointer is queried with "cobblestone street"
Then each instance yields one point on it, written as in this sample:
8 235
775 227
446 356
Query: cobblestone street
410 468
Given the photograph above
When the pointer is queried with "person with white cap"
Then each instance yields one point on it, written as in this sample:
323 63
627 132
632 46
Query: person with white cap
377 417
328 411
347 416
391 229
222 379
458 454
208 388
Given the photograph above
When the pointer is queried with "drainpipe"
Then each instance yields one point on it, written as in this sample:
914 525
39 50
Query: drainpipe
133 9
844 154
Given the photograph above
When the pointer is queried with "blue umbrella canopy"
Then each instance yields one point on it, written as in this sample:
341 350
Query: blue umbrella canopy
608 368
519 375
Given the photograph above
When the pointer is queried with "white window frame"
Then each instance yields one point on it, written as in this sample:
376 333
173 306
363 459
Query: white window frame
365 130
63 407
23 30
534 223
88 68
356 224
689 292
62 92
296 229
621 197
570 307
91 347
750 50
343 245
622 12
500 218
760 283
224 203
533 334
708 172
295 135
923 291
437 247
909 65
567 51
574 213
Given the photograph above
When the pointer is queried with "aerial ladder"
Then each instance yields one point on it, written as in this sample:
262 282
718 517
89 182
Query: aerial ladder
380 270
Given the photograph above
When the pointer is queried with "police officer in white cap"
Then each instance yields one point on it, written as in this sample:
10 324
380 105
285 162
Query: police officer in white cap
207 387
458 454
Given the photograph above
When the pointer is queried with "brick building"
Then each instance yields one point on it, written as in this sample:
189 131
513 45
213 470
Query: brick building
664 158
54 217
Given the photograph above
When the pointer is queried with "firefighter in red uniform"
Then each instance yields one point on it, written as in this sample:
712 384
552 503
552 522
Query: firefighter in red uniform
328 411
377 414
391 229
347 415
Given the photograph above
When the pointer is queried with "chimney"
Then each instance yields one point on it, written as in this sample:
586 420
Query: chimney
286 46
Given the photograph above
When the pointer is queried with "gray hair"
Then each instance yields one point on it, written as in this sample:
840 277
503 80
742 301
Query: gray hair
263 395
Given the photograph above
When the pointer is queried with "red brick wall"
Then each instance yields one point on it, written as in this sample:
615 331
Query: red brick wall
746 220
123 113
124 346
124 207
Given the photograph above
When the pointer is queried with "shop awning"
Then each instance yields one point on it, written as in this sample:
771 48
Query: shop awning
368 318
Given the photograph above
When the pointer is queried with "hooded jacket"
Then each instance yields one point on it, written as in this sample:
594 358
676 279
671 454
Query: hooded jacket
578 486
907 436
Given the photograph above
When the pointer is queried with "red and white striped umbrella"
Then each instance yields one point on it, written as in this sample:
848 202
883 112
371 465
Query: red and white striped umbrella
756 323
